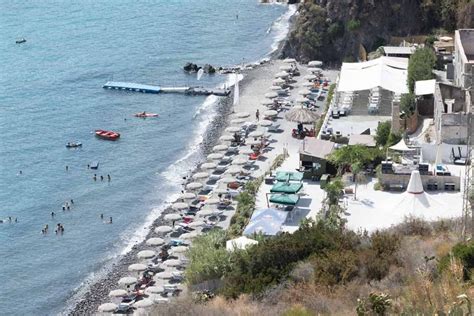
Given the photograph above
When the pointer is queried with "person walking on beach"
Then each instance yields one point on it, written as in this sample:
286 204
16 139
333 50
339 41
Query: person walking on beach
257 115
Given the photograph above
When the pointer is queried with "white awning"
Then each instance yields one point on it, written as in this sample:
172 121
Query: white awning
401 146
425 87
389 73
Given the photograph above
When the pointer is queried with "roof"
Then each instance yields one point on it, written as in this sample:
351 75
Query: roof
367 140
425 87
266 221
389 73
317 148
240 243
401 146
399 50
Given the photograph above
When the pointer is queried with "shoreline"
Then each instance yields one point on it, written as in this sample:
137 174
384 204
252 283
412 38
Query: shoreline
99 289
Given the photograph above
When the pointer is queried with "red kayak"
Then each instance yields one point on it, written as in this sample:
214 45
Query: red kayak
145 115
109 135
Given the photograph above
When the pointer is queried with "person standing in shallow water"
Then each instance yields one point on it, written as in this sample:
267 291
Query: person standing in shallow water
110 220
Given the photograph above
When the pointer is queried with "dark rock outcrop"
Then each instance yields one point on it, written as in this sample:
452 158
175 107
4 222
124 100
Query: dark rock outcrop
334 30
190 67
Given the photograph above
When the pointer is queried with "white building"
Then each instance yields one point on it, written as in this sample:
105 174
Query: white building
464 58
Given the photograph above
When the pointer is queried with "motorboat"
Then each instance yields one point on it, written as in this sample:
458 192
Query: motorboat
145 115
108 135
73 144
20 41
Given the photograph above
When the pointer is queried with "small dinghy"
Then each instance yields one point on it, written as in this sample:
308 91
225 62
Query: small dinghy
107 135
94 165
145 115
73 144
20 41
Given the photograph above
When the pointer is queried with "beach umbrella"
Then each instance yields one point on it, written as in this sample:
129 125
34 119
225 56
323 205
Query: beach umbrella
146 254
271 95
232 129
226 137
127 281
163 229
246 151
164 275
228 179
137 267
301 99
313 70
180 206
256 134
194 186
195 224
240 161
172 217
286 67
212 201
208 166
188 236
289 61
220 147
200 175
144 303
155 241
234 169
254 142
172 263
118 293
309 77
278 81
267 102
301 115
188 195
270 113
282 74
265 123
242 114
315 63
308 84
154 290
215 156
179 249
304 92
107 308
237 121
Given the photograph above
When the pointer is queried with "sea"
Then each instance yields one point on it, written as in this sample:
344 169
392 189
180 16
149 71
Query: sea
51 93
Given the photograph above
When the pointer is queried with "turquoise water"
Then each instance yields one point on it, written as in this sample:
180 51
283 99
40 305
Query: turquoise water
50 93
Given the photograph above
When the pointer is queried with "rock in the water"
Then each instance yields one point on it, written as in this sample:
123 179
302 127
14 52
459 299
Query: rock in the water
190 67
209 69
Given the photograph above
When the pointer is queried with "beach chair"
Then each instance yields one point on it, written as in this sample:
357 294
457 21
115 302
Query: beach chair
274 128
255 155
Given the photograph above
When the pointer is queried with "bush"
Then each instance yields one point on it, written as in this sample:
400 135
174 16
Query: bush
337 267
382 133
381 254
353 25
297 311
408 103
420 66
465 253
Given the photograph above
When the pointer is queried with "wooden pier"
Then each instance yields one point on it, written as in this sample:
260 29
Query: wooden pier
144 88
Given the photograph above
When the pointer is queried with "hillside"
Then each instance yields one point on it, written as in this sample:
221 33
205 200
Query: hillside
333 31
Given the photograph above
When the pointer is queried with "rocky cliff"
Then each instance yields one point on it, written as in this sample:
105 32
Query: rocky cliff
335 30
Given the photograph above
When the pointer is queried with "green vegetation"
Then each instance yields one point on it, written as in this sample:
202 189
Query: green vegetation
384 137
464 252
353 25
208 257
319 123
347 156
420 67
408 103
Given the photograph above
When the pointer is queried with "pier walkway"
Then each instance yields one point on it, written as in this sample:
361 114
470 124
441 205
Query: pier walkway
137 87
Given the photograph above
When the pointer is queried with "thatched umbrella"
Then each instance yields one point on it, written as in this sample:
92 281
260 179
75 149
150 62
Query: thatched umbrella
301 115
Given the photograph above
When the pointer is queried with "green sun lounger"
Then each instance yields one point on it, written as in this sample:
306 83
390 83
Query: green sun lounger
284 199
284 187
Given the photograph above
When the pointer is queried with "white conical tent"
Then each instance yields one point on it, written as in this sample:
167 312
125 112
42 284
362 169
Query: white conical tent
414 200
